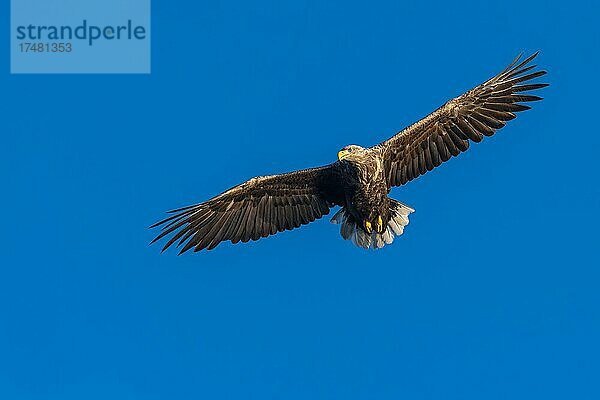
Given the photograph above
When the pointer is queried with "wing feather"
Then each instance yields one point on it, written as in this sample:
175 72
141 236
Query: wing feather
257 208
447 132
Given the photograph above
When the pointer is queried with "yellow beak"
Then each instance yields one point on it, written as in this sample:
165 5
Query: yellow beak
342 154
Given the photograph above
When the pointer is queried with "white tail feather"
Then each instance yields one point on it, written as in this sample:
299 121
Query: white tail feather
351 231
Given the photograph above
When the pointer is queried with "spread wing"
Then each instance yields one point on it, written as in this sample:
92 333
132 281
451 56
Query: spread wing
470 117
257 208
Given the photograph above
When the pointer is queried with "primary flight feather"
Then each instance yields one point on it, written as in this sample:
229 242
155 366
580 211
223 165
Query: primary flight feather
360 180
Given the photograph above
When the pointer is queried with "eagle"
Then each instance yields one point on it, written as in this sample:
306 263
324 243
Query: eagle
361 179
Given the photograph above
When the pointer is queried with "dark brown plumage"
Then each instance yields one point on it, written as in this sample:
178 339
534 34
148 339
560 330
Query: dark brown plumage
360 180
257 208
470 117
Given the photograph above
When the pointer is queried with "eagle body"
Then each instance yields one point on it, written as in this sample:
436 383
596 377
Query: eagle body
365 191
361 179
368 217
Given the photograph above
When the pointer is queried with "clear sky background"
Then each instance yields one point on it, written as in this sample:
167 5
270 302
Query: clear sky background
491 293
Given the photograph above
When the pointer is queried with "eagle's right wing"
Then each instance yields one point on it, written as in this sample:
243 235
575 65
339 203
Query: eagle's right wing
257 208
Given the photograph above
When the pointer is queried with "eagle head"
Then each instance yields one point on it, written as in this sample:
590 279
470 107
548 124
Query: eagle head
349 151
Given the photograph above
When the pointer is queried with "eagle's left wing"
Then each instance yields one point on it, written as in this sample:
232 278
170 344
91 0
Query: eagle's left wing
447 131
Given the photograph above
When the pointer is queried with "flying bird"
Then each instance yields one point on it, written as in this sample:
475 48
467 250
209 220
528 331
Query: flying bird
361 179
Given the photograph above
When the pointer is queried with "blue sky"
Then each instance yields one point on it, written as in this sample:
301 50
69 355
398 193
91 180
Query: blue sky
492 292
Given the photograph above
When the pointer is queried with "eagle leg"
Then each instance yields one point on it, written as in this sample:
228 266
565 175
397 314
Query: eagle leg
379 225
368 226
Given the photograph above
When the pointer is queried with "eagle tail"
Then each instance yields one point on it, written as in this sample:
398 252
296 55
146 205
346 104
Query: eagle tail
350 230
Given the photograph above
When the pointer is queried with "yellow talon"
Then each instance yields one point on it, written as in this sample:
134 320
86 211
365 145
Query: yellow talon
379 226
368 226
